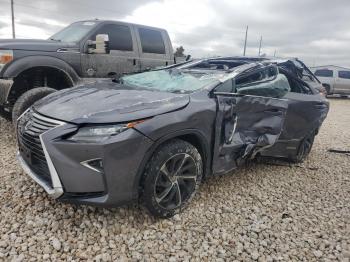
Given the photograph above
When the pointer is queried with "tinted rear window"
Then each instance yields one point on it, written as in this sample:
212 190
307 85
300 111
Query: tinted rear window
151 41
119 36
324 73
344 74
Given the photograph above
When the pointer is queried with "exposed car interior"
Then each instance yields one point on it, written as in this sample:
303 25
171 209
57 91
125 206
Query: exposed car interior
289 69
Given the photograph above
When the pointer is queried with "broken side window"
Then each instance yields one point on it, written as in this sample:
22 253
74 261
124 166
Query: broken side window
277 88
226 87
265 82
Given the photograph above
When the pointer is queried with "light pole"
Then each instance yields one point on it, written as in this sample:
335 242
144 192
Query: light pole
245 41
13 21
260 45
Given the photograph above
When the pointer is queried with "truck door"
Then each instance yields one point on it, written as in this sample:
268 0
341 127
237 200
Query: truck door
342 82
154 46
123 57
326 76
246 123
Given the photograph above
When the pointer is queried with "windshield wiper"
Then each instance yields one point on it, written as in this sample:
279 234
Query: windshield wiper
177 91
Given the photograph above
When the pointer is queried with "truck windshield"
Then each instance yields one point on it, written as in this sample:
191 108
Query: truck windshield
171 80
74 32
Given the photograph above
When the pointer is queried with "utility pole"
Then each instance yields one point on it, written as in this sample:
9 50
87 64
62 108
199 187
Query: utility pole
274 54
245 41
13 21
260 45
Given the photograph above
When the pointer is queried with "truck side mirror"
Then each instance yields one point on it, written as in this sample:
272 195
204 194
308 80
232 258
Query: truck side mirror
100 45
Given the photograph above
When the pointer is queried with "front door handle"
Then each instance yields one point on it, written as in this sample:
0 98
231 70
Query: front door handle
133 60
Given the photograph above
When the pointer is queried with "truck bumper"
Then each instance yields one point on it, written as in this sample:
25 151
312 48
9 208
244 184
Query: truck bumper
5 87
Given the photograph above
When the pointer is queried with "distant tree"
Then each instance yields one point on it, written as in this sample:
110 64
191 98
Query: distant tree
179 51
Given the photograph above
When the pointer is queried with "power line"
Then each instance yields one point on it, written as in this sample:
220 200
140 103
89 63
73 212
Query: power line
83 4
36 8
20 3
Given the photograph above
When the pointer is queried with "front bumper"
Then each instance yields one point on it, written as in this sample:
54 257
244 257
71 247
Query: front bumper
54 192
5 87
73 181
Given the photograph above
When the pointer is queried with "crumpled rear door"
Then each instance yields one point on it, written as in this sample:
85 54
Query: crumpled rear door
245 125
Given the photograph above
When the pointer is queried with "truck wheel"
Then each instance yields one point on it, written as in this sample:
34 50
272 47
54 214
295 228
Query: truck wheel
28 99
4 114
171 178
328 89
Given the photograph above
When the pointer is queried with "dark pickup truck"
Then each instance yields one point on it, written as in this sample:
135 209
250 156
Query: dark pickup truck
81 52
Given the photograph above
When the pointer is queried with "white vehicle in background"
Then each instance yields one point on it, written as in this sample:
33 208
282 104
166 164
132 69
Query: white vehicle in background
335 79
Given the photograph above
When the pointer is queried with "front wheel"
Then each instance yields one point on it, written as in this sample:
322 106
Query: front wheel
5 114
27 99
171 178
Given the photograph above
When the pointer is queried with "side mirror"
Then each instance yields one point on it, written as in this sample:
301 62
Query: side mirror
100 45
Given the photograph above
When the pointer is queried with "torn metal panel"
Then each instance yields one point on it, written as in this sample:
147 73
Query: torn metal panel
245 125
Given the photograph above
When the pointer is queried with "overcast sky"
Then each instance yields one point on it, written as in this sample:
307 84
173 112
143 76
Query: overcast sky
317 31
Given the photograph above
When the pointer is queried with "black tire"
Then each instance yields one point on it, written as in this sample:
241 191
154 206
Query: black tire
28 99
4 114
328 90
304 148
171 178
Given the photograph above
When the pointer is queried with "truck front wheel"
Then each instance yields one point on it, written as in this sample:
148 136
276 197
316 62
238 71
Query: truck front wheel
5 114
28 99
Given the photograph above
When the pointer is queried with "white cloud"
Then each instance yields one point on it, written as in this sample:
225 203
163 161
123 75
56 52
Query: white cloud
178 16
314 30
329 43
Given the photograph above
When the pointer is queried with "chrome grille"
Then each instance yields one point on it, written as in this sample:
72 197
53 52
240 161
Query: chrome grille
30 127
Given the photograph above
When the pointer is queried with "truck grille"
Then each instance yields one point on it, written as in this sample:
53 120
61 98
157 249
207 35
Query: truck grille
30 127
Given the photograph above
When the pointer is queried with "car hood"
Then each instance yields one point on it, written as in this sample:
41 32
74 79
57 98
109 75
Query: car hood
108 103
34 45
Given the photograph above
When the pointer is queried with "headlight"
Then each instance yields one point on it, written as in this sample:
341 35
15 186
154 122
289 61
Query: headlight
6 56
96 134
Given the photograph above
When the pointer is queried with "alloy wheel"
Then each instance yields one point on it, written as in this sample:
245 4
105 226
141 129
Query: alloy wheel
176 180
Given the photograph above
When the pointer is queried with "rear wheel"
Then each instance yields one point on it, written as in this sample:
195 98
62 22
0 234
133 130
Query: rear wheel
304 148
171 178
28 99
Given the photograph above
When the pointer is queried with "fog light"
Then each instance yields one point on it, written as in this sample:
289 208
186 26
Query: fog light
94 164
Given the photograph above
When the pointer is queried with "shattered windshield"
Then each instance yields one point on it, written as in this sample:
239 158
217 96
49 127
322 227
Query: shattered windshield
172 80
74 32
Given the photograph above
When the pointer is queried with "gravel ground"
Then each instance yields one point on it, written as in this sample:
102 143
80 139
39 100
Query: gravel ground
261 212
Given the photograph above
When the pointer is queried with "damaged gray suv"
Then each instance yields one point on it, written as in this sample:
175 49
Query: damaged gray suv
156 135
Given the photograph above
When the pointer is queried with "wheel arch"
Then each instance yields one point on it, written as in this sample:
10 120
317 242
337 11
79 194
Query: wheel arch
29 62
192 136
23 71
